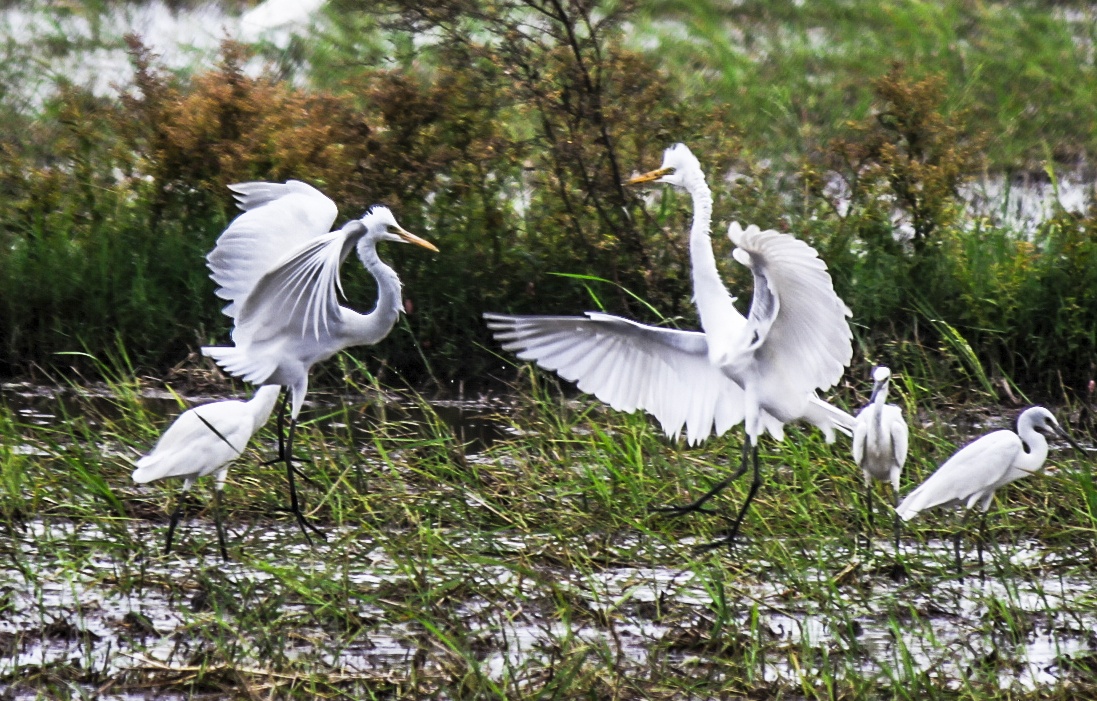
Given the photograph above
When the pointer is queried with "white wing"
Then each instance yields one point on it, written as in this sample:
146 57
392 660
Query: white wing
665 372
797 323
900 434
860 433
189 447
277 218
298 298
965 476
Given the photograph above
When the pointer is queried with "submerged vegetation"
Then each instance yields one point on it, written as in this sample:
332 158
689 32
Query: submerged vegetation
525 567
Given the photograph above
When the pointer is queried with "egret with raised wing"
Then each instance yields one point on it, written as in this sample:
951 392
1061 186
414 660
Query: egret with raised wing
737 368
203 441
880 443
979 469
278 265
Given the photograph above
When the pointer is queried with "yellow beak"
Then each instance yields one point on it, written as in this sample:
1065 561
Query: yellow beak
649 176
412 238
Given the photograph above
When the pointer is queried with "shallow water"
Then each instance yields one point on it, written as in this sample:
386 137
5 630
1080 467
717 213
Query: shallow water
82 600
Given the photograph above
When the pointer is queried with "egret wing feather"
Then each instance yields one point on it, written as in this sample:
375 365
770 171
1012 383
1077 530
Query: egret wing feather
797 324
966 476
299 296
629 366
860 433
189 447
900 433
277 218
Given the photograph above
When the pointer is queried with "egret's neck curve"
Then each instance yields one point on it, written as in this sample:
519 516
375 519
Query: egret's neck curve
370 328
1036 448
262 403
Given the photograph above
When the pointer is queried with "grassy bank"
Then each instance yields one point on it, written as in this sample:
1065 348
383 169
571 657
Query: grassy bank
533 568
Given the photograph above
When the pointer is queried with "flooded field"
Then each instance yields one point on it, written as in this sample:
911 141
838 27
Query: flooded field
449 571
122 623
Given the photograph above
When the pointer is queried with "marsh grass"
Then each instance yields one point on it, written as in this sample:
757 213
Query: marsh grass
530 568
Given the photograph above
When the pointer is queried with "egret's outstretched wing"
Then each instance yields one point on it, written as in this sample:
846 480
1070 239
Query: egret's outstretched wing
298 298
277 218
665 372
966 476
797 322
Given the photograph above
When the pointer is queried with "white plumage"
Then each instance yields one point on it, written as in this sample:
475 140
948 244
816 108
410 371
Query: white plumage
764 368
880 441
203 441
278 265
975 472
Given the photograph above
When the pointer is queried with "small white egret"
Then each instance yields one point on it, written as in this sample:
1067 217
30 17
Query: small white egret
765 369
880 443
976 471
278 265
203 441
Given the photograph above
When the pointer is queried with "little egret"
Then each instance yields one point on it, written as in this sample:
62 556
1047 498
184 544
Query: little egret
696 379
880 443
976 471
278 265
203 441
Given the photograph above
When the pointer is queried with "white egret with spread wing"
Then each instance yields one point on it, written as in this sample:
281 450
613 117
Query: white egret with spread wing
278 265
975 472
203 441
880 441
764 368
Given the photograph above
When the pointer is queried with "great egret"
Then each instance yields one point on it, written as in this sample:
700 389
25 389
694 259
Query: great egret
976 471
278 265
697 379
203 441
880 443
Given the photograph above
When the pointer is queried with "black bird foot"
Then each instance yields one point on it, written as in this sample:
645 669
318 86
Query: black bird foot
305 525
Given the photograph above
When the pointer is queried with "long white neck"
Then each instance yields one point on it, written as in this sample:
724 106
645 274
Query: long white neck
719 318
1032 459
262 403
364 329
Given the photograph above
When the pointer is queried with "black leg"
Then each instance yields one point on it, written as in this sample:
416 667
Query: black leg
281 426
868 507
294 505
956 547
982 537
175 519
734 530
220 526
697 506
898 522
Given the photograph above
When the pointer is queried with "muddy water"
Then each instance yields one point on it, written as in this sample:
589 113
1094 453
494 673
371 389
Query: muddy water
104 615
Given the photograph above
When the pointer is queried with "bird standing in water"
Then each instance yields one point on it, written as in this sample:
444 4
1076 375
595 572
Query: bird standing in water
278 265
880 443
979 469
710 381
203 441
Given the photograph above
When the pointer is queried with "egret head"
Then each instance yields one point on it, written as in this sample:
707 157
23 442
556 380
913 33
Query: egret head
679 164
1043 421
880 377
381 226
